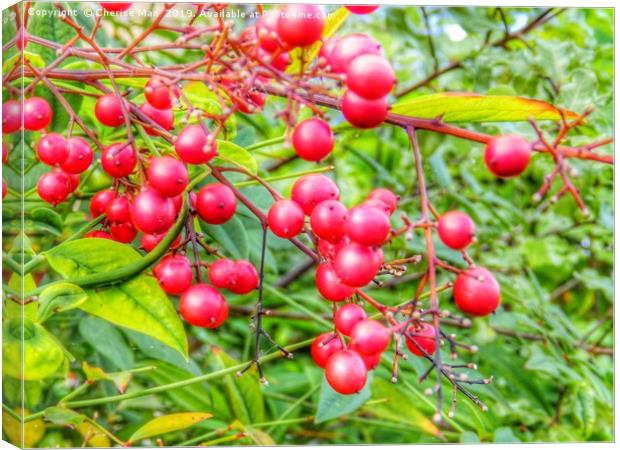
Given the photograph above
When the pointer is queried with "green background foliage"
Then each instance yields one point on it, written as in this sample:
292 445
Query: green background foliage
554 267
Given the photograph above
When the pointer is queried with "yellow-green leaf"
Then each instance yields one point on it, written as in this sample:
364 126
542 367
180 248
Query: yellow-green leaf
230 152
166 424
59 297
467 107
34 59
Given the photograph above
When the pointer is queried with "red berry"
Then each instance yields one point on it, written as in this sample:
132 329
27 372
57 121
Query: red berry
367 225
313 139
149 241
300 25
328 250
363 113
254 99
361 9
329 284
11 116
21 40
203 306
456 229
356 265
194 146
266 32
80 156
424 336
115 6
52 149
324 346
151 213
160 94
370 361
346 372
37 114
123 232
278 61
168 175
54 187
328 220
118 210
370 337
74 179
118 160
507 156
377 204
109 111
99 201
285 219
370 76
174 274
216 203
162 117
348 316
326 50
98 234
476 292
310 190
246 278
350 47
386 196
222 273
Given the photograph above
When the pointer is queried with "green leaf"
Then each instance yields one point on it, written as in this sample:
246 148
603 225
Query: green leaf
166 424
230 152
333 404
138 304
45 219
505 434
63 416
59 297
466 107
469 437
107 341
34 59
231 236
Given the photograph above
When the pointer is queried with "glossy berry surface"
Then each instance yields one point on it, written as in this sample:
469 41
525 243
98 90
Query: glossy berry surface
328 220
80 156
167 175
99 201
149 241
108 110
456 229
115 6
370 337
348 316
310 190
356 265
246 278
364 113
52 149
362 9
119 160
424 336
346 372
370 76
54 187
476 292
203 306
37 113
159 94
11 116
174 274
118 210
300 25
386 196
330 286
216 203
350 47
508 155
123 232
285 219
162 117
151 212
367 226
194 146
222 273
313 139
324 346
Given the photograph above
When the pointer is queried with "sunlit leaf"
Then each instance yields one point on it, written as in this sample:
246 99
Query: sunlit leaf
166 424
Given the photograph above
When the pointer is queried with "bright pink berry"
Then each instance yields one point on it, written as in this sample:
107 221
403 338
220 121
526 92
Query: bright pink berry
300 25
54 187
328 220
361 9
456 229
328 250
80 156
160 94
162 117
348 316
37 113
386 196
222 273
74 179
424 336
98 234
149 241
476 292
329 284
266 32
174 274
356 265
285 219
364 113
194 146
119 160
123 232
115 6
216 203
203 306
367 226
371 361
168 175
151 212
118 210
246 278
11 116
326 50
370 337
324 346
507 156
52 149
100 201
346 372
109 110
370 76
310 190
313 139
350 47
